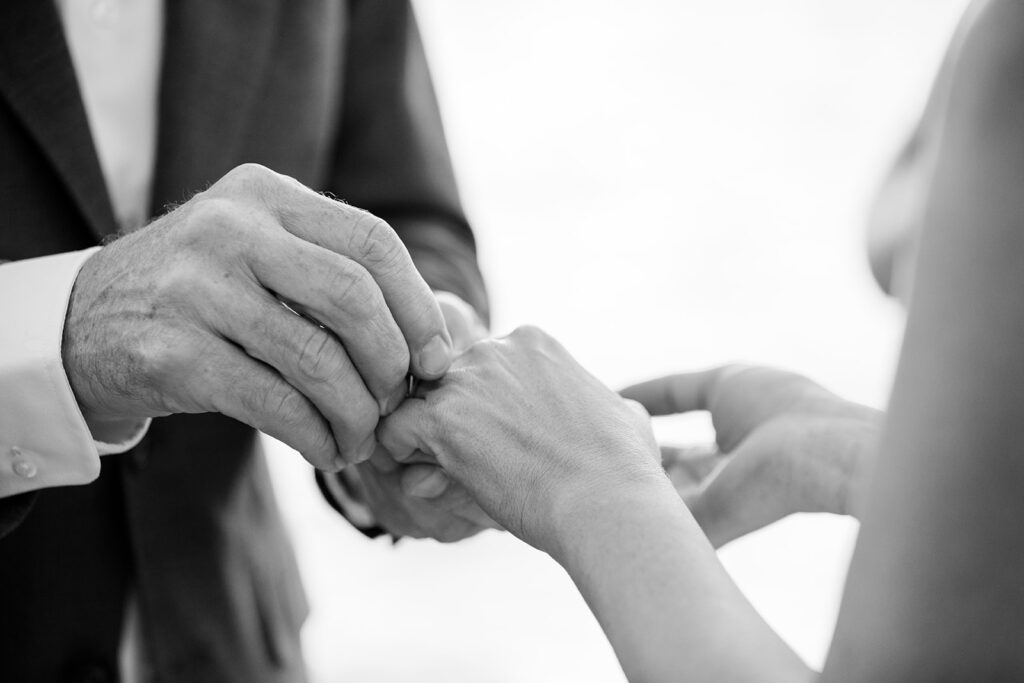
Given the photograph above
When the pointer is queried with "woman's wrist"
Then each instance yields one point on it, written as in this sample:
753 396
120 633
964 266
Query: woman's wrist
596 514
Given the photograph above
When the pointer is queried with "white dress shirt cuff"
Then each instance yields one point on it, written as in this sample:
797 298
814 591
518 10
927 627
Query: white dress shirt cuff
44 439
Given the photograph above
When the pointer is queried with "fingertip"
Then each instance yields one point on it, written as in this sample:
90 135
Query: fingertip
667 395
331 462
328 460
435 357
353 455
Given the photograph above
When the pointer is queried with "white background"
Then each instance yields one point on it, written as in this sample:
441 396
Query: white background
663 185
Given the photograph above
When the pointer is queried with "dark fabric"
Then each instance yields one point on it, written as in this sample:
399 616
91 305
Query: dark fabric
389 100
13 511
70 559
372 531
322 90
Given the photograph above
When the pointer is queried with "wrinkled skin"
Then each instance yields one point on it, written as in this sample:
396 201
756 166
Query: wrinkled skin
186 316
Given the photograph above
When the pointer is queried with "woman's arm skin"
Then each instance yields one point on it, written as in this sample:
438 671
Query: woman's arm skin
667 605
936 587
565 464
896 218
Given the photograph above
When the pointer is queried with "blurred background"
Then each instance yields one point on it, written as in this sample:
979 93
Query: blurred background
663 185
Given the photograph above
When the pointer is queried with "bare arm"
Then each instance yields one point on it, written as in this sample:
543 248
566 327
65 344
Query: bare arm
897 218
935 589
562 462
664 600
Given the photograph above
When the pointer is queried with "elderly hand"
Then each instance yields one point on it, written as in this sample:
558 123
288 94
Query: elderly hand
784 445
529 433
186 316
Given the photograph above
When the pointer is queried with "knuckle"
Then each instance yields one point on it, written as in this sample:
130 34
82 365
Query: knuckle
175 283
286 411
250 174
282 404
318 357
352 289
377 242
160 358
534 338
530 333
249 179
214 213
214 226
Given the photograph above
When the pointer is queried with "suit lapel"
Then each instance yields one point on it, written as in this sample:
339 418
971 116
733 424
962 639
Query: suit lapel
38 80
215 58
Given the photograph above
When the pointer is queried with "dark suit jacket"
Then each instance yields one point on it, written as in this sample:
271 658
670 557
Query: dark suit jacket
333 93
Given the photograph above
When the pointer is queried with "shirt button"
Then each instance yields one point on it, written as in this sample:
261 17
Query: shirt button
24 468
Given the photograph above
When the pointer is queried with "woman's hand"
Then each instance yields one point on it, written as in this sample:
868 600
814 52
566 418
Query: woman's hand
530 433
784 445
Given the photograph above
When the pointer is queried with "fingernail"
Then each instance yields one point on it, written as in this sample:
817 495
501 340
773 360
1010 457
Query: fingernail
436 356
427 484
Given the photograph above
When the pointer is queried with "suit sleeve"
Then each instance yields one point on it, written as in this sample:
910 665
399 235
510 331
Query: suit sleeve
391 156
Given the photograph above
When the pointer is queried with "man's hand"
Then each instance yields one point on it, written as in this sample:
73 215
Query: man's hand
784 445
186 316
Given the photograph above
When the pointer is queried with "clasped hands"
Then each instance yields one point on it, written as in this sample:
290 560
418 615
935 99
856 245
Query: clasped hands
270 303
301 316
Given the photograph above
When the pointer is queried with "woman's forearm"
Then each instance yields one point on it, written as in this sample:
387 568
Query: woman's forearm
663 598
